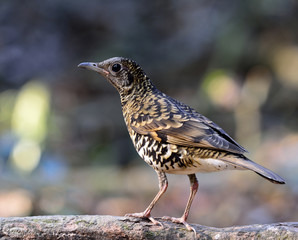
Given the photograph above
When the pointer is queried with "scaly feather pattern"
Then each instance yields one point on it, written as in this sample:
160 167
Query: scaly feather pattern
171 136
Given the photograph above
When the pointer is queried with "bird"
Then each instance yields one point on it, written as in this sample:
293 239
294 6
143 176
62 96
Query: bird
170 136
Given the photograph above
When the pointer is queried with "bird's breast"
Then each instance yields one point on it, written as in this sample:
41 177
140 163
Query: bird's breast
161 156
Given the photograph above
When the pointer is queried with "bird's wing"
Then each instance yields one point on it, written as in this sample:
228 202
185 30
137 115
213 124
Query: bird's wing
183 128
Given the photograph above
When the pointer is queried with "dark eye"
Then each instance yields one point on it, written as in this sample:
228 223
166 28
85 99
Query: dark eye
116 67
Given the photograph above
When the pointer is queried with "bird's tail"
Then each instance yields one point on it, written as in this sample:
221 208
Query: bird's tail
241 161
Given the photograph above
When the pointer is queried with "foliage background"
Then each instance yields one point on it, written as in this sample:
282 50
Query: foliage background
64 147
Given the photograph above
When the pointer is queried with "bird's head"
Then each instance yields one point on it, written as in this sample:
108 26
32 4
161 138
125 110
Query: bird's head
124 74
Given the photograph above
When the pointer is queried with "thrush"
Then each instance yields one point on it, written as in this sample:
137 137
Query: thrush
171 136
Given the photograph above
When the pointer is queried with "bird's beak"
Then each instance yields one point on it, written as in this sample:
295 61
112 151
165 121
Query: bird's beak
94 67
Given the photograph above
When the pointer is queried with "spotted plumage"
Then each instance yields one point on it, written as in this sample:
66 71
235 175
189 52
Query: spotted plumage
170 136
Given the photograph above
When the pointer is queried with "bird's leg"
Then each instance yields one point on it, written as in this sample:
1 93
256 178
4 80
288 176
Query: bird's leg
194 186
163 185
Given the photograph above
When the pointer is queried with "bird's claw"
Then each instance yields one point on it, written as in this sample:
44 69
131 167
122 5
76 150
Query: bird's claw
181 221
144 215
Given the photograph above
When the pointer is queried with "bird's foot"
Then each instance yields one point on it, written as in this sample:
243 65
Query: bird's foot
179 220
144 215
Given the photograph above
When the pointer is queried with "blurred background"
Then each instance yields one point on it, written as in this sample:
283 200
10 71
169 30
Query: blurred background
64 147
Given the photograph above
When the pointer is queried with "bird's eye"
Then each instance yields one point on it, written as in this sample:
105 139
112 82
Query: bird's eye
116 67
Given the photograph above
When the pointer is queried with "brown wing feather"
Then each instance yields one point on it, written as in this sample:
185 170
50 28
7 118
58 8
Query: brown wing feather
180 129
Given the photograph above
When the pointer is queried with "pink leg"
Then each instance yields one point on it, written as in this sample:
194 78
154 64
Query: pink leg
163 185
194 186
